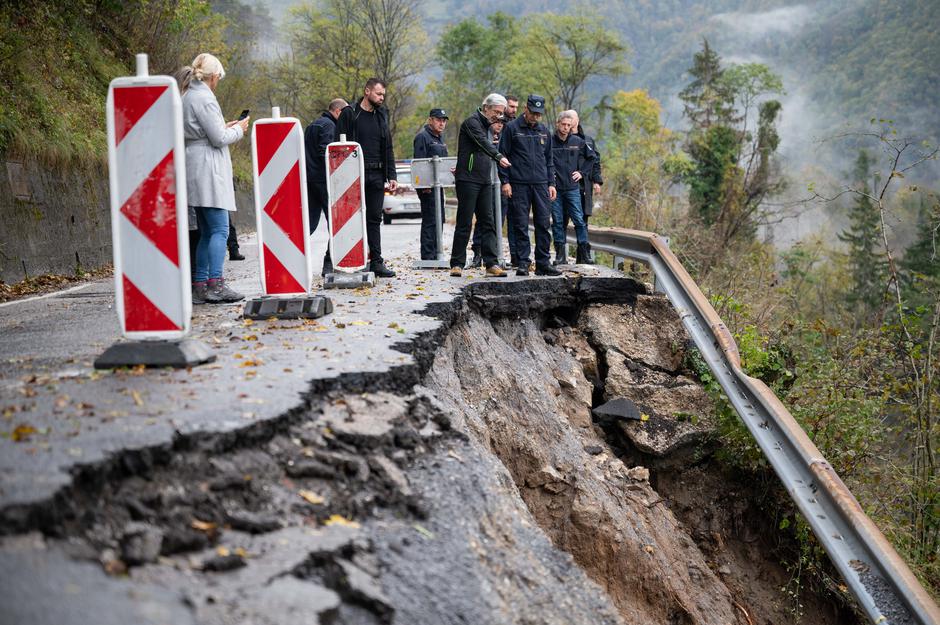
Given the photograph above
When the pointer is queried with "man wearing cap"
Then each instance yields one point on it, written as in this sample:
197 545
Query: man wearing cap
366 123
530 183
429 143
318 135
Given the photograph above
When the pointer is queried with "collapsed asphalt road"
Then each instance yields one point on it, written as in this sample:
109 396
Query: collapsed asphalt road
425 454
70 432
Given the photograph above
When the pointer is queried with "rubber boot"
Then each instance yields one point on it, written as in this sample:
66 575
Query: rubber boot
477 258
560 254
584 254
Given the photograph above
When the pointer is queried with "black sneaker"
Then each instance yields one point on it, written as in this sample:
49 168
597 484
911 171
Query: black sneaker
234 254
546 270
522 270
380 270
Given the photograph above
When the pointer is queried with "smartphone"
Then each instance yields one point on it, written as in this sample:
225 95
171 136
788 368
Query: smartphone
244 114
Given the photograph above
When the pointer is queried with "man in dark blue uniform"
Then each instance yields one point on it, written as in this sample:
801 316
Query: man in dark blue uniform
429 142
366 123
530 183
318 135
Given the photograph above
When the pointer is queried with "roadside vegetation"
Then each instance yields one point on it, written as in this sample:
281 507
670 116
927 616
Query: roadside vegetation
842 325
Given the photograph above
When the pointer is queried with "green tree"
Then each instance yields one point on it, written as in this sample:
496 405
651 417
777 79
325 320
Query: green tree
571 49
472 57
866 258
734 163
708 99
641 162
921 262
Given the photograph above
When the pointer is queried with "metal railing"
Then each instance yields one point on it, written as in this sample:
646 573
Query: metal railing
886 589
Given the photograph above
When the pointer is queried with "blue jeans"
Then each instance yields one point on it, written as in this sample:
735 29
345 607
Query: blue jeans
568 202
210 251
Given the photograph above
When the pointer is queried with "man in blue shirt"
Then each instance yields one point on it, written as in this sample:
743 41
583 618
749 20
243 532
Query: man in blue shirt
428 143
529 183
318 135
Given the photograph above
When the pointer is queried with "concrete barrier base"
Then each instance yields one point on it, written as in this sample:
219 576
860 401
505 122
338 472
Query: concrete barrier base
348 280
309 307
155 353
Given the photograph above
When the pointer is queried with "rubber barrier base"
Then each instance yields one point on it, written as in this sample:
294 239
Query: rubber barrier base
310 307
155 353
348 280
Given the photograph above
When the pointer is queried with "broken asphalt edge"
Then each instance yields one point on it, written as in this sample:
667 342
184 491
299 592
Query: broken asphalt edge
524 298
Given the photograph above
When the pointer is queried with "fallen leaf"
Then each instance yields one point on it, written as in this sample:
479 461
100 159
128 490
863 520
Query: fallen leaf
137 399
222 551
337 519
644 417
311 497
22 433
204 526
423 531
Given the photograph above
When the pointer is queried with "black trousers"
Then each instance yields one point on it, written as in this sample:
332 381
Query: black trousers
375 198
506 216
474 199
318 203
429 225
523 197
232 241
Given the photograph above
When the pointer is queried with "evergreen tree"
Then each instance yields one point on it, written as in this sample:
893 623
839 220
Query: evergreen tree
708 98
715 155
921 263
865 257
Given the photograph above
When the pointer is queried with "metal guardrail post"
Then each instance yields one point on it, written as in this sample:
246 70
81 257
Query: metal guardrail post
885 588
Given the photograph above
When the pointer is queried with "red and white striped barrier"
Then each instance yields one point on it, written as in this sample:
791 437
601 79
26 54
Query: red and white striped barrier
280 175
345 174
149 224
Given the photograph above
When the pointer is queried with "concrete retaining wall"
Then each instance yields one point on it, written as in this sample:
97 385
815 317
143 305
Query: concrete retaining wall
57 220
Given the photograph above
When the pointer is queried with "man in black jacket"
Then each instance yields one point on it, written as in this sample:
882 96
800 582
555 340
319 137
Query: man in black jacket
573 162
476 156
318 135
366 123
428 143
530 183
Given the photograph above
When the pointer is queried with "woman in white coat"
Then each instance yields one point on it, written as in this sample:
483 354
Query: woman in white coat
209 185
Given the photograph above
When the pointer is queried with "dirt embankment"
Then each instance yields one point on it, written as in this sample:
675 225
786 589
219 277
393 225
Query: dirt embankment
488 494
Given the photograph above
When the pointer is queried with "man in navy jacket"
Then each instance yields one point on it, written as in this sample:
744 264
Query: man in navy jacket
529 183
318 135
428 143
573 162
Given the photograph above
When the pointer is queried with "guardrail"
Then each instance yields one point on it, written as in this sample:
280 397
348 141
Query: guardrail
877 576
